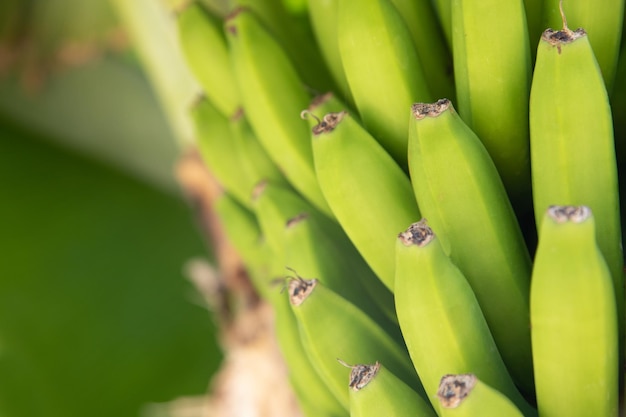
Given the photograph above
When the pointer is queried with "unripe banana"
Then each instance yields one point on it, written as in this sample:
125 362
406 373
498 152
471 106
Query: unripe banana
574 155
602 20
492 70
243 232
430 44
374 196
316 246
312 244
376 392
323 15
460 193
467 396
308 384
270 90
574 319
444 12
375 44
442 323
219 151
294 33
204 46
331 327
256 165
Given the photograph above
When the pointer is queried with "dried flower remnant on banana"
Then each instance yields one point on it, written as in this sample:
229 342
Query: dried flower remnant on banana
300 289
422 110
327 124
419 234
361 375
574 214
454 388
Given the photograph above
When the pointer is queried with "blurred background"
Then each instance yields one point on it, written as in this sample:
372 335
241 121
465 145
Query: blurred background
98 316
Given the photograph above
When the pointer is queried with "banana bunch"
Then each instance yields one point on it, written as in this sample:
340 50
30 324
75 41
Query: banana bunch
424 260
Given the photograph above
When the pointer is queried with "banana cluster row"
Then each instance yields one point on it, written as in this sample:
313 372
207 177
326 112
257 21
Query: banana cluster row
424 260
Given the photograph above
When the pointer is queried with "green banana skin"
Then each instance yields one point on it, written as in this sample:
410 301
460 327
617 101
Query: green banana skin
375 392
316 246
442 323
295 33
465 395
603 20
270 90
312 244
492 70
307 382
204 46
430 44
331 327
243 232
574 319
323 16
219 151
374 197
256 162
481 236
375 44
574 160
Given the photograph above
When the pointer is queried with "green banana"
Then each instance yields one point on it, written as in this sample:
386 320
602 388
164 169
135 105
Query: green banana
293 31
331 327
534 20
449 165
308 384
204 46
256 164
219 151
376 45
270 90
492 70
603 20
574 159
574 318
323 16
374 196
316 246
466 395
311 243
444 12
430 44
243 232
442 323
376 392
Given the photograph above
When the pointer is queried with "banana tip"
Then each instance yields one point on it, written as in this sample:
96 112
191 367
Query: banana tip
454 388
573 214
300 289
361 375
418 233
422 110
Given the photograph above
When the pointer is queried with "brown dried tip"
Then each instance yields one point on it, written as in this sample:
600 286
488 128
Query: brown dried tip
319 100
361 375
258 189
454 388
563 36
417 234
327 124
422 110
296 220
237 115
228 20
300 289
574 214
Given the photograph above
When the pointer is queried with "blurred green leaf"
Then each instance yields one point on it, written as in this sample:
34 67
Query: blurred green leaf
96 317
